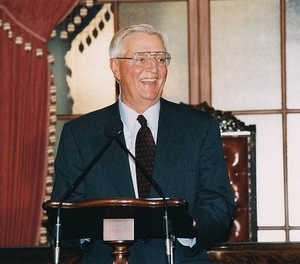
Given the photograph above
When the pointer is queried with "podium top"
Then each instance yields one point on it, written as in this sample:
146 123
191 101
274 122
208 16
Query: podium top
148 202
84 218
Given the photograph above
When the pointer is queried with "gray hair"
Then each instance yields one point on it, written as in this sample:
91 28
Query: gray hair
116 47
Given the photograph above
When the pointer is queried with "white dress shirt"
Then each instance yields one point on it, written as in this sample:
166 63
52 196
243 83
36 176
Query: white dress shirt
131 127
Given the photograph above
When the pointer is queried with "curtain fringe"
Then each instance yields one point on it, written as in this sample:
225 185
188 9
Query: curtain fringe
28 30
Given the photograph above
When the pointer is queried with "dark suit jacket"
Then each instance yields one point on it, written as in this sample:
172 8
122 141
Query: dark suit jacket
189 164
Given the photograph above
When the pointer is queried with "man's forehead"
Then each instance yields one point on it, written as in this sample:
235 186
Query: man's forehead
142 41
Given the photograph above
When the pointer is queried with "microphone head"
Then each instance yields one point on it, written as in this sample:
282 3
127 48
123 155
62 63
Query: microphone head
113 128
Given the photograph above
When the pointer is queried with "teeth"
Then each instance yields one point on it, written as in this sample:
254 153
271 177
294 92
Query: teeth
149 80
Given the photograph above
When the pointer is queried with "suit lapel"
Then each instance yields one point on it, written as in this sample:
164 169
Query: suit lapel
117 165
115 161
167 129
168 126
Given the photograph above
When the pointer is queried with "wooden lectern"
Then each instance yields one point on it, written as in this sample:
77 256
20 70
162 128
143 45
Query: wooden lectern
120 221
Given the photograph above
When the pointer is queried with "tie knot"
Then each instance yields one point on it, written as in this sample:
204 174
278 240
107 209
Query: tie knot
142 120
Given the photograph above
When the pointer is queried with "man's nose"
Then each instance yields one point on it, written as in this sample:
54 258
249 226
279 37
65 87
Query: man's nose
152 64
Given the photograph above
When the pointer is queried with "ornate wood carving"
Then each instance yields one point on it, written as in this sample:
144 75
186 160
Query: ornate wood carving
227 121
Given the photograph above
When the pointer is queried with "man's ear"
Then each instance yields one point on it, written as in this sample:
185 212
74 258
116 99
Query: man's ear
114 66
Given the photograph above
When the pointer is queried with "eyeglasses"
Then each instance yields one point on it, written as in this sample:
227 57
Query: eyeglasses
142 58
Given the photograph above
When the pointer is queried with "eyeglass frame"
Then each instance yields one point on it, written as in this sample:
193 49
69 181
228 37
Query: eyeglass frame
151 53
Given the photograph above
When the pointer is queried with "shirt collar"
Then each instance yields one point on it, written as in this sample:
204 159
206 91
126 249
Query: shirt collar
129 116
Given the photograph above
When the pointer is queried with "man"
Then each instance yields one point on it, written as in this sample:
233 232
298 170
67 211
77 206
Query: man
188 162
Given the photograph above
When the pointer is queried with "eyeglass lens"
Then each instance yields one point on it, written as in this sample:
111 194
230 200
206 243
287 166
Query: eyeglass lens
162 58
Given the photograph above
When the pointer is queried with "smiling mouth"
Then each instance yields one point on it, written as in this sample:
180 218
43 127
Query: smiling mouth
149 80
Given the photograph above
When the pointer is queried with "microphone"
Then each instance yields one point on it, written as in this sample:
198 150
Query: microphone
111 133
113 129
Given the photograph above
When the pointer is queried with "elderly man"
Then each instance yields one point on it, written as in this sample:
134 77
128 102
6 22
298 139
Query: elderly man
185 149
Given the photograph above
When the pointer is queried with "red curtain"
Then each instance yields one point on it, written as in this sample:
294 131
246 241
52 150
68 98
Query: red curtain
25 26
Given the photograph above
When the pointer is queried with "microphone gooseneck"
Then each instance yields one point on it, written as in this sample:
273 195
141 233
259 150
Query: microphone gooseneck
113 129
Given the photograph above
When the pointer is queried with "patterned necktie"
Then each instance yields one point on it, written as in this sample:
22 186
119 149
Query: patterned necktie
144 151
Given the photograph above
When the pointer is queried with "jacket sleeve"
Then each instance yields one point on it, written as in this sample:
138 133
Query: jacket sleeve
214 205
